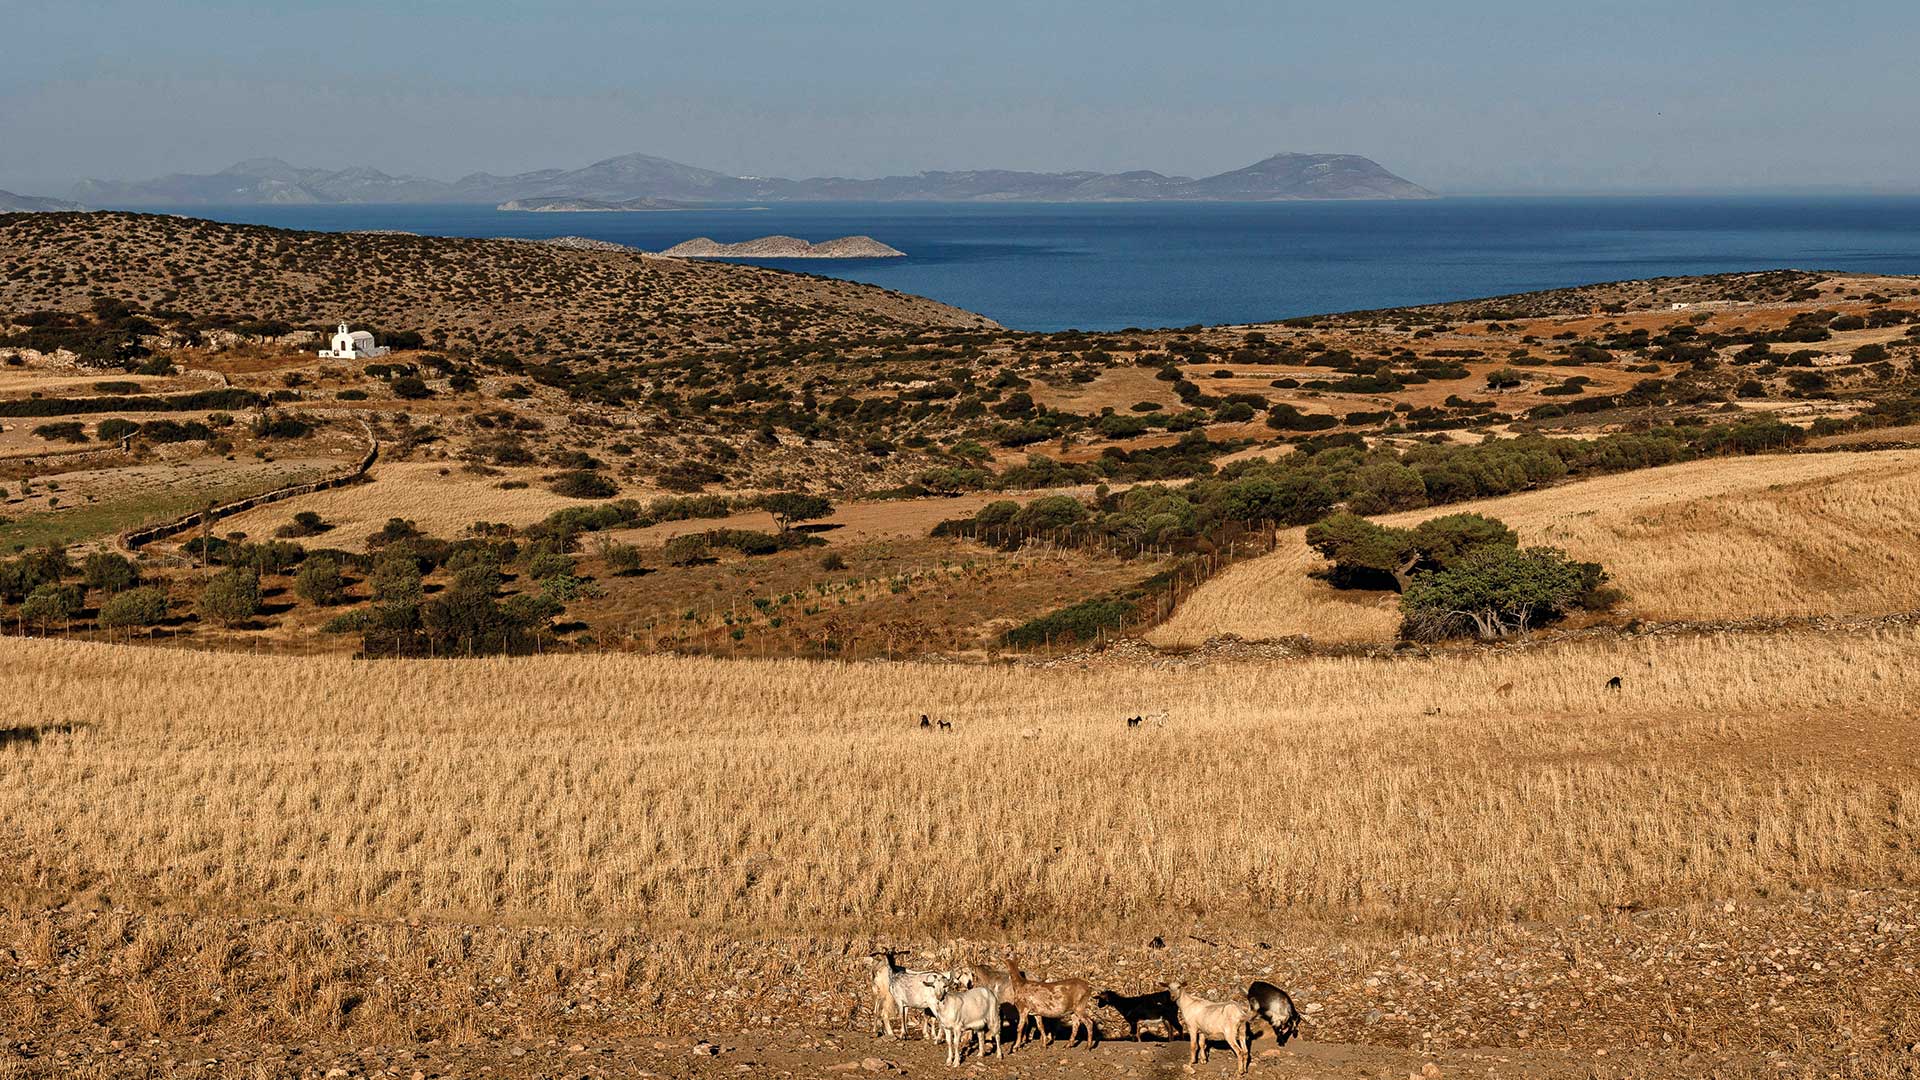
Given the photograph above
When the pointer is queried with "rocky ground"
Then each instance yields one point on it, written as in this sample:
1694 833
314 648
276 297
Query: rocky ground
1813 985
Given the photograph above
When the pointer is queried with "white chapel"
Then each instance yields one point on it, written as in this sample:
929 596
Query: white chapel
352 345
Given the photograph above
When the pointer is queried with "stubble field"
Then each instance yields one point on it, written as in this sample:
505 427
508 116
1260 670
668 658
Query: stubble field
1753 538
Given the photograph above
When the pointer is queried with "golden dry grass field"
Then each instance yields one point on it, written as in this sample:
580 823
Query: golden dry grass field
441 498
721 796
1777 536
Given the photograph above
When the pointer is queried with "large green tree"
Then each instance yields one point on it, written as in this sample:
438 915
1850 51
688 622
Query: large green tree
1494 591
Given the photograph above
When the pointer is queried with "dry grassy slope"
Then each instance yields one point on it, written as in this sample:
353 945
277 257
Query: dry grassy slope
1656 294
470 291
1798 535
801 796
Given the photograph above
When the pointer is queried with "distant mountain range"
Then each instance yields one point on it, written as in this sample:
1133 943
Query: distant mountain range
31 204
637 180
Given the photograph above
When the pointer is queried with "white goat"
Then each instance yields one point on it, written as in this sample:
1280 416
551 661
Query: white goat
1205 1019
901 989
960 1011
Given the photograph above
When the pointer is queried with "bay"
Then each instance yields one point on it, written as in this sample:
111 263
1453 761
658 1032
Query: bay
1116 265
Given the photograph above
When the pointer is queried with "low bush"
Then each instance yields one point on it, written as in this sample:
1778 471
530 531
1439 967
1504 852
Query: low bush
582 484
144 606
320 581
1080 622
231 597
71 431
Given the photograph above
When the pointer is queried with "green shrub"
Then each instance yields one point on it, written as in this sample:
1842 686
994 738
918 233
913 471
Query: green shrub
1364 555
395 578
410 388
274 425
582 484
621 559
1083 621
51 603
1284 417
304 523
347 622
115 428
66 431
320 582
789 508
109 572
232 596
546 564
145 606
1494 591
1049 513
686 549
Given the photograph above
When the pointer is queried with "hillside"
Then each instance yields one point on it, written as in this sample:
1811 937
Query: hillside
785 247
230 830
482 294
634 181
1797 536
33 204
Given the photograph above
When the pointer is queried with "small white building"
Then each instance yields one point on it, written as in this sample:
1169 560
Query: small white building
352 345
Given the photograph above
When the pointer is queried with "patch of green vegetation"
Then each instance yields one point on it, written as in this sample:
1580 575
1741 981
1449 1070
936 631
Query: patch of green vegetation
107 517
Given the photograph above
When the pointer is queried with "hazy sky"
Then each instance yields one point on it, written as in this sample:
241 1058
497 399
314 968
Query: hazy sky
1464 96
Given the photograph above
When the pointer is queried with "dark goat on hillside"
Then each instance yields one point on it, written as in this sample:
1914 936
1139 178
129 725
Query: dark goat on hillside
1270 1003
1136 1009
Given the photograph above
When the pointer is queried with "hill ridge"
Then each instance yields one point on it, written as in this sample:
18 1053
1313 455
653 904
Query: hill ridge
1282 176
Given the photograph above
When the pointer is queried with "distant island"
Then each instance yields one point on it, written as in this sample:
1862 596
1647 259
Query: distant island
641 182
33 204
593 206
785 247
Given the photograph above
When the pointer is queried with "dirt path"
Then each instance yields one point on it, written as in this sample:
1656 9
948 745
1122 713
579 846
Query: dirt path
853 1055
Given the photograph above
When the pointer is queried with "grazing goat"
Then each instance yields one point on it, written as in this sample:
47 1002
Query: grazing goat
994 979
1505 689
959 1011
1135 721
1136 1009
1613 683
1068 999
1205 1019
946 726
898 989
1270 1003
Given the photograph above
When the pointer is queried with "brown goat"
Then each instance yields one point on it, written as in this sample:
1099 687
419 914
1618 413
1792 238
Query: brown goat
1068 999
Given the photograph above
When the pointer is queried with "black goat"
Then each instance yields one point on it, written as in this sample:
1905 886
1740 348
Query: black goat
945 726
1135 721
1137 1009
1613 683
924 722
1270 1003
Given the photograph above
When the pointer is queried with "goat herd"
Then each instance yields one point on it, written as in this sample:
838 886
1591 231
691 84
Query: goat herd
966 1002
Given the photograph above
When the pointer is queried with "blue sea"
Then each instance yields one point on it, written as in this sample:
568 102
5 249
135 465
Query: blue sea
1111 266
